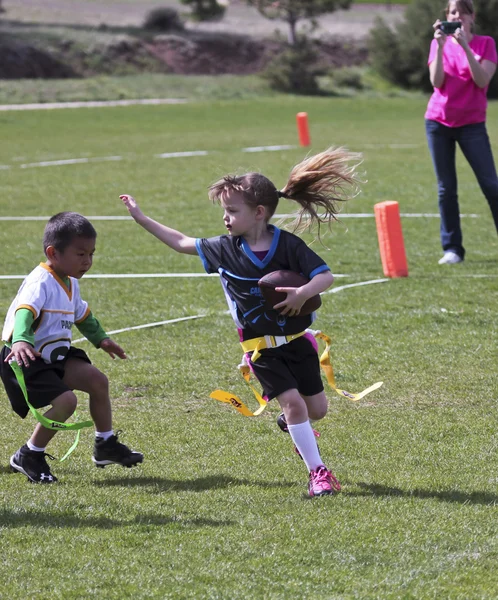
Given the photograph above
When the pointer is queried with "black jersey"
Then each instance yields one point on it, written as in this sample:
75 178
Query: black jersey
240 270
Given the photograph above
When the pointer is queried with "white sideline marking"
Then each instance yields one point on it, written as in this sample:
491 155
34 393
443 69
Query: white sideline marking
90 104
92 218
371 215
352 285
277 216
181 154
146 326
70 161
143 275
268 148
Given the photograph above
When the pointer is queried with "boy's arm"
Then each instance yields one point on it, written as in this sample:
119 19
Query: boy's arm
23 338
94 332
171 237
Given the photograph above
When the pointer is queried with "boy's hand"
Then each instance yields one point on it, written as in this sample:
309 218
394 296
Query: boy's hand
112 348
132 206
22 352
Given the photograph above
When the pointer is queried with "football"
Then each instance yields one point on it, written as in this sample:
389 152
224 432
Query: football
282 278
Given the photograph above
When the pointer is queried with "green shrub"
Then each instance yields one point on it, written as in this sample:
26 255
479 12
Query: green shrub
206 10
294 70
348 77
163 19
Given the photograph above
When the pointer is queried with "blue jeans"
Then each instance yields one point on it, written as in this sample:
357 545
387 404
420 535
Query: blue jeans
474 143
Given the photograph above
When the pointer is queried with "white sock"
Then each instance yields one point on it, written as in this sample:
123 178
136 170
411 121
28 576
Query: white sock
303 437
34 448
105 435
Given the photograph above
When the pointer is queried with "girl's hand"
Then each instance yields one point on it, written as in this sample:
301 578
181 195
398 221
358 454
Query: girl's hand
132 206
22 353
293 303
112 348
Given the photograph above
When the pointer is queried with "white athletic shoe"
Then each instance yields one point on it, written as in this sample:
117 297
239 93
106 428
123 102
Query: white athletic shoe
450 258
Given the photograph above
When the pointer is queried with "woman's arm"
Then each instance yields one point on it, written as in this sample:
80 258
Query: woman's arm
171 237
481 72
436 68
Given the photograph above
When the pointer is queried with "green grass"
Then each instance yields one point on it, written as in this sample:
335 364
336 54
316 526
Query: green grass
218 509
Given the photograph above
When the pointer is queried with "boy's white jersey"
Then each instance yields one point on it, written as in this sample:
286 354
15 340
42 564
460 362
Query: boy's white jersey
55 307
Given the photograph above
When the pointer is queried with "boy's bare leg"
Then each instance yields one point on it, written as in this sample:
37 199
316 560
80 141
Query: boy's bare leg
62 408
80 375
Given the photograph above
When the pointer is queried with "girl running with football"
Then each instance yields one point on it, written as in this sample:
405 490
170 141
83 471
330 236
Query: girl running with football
288 367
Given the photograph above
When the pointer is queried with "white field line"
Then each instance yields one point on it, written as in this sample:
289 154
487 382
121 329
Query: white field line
183 154
90 218
371 215
156 324
268 148
70 161
352 285
143 276
90 104
277 216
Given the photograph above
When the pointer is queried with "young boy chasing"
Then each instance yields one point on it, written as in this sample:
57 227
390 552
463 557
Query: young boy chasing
37 335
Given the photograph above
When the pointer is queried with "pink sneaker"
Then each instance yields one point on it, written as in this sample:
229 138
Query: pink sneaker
322 482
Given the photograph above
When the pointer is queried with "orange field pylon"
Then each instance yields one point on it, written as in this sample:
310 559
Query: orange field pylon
391 244
302 128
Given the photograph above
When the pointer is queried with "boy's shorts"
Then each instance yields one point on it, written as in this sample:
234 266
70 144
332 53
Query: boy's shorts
44 381
292 366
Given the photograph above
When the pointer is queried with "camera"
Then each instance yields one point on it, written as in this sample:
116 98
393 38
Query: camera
449 27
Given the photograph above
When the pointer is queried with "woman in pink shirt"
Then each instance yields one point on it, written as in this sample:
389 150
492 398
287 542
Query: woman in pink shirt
461 66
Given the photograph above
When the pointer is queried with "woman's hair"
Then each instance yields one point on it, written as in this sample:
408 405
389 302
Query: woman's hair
63 227
320 182
464 6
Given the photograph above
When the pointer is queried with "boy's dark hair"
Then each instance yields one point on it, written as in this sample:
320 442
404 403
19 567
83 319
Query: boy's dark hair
63 227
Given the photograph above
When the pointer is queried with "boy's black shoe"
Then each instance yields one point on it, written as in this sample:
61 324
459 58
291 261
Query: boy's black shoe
33 465
110 451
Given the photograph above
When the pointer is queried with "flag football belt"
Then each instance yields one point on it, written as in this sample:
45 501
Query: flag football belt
48 423
269 341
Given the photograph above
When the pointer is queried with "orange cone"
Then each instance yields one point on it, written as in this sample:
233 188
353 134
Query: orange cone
302 128
391 244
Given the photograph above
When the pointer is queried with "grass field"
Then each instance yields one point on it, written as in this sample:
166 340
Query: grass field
218 509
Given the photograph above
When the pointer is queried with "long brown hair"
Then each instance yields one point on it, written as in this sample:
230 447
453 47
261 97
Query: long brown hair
320 182
464 6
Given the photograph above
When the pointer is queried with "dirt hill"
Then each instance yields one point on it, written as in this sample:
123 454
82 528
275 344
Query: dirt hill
57 39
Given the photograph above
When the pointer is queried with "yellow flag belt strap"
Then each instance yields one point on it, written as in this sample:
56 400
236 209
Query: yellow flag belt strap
256 345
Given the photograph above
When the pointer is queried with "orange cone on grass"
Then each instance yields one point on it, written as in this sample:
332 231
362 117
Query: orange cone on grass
391 244
302 128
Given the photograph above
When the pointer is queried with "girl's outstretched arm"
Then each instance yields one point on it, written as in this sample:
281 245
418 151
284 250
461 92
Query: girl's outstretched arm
171 237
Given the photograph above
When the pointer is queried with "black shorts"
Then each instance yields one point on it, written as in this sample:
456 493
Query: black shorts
44 381
292 366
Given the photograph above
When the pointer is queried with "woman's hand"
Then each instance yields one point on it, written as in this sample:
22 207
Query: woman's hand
439 35
461 38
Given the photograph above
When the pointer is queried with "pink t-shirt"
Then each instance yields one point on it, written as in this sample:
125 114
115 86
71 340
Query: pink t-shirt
460 101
